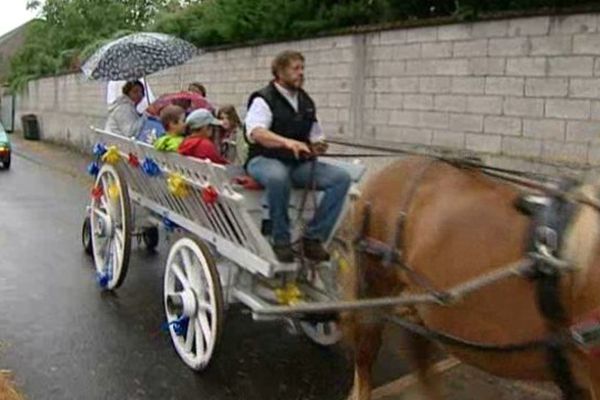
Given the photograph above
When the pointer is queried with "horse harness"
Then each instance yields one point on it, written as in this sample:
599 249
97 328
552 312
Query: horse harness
550 216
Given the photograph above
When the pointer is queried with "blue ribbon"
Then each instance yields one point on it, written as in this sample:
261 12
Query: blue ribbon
103 278
170 226
180 325
93 169
150 167
99 149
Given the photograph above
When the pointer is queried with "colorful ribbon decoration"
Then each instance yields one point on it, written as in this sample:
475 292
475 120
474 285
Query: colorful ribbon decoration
112 155
103 278
97 192
113 191
342 263
99 149
180 325
150 167
210 195
133 160
177 185
288 295
93 169
170 226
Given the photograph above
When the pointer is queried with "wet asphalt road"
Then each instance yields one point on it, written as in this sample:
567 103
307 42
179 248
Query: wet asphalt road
64 339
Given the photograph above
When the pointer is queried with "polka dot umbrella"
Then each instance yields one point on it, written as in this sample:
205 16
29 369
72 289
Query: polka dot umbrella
137 55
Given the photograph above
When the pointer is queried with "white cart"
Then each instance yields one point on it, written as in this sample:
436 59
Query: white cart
220 256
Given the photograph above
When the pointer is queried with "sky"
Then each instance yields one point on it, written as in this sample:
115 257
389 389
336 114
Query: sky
13 14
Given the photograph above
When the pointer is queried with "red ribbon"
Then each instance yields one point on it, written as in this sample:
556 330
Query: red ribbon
210 195
97 192
248 182
133 160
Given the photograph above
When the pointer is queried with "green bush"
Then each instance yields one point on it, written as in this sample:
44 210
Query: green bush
69 30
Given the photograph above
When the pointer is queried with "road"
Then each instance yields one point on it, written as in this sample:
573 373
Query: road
65 339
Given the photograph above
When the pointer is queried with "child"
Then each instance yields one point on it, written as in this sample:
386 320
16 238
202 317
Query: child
227 141
199 143
173 120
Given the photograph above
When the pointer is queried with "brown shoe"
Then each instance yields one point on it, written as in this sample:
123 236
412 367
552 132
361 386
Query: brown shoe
284 253
313 250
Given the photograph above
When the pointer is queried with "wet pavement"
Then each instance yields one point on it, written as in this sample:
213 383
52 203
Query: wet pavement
65 339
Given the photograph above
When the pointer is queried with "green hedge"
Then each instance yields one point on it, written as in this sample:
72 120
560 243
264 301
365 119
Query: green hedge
69 30
220 22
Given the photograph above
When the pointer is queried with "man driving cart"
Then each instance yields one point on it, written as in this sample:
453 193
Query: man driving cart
285 136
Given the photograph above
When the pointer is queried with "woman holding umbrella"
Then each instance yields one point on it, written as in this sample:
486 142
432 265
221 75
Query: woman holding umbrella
123 117
131 58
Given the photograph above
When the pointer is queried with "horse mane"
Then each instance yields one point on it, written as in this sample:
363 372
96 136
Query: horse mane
581 238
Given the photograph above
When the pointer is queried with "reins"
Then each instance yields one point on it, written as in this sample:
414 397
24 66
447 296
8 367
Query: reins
534 181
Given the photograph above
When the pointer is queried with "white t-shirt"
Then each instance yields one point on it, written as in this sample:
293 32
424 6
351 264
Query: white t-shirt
259 115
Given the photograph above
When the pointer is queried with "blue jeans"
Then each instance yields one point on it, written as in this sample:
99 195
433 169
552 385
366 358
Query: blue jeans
279 176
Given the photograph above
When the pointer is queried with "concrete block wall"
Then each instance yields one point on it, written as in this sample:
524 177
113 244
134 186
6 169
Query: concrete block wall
517 89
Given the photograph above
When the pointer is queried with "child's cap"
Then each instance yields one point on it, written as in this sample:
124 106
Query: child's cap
200 118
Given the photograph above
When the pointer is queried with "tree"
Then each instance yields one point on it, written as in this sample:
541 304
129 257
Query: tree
67 28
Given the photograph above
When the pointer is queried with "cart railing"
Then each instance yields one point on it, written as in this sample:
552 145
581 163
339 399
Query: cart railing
212 208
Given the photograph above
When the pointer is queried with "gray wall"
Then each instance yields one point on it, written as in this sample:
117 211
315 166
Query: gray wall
513 90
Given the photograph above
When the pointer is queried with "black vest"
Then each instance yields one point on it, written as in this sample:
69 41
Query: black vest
286 121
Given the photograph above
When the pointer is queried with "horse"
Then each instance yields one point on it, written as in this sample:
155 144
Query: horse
460 223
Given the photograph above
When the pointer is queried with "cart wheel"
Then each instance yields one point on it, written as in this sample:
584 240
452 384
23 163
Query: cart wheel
111 226
150 237
86 236
193 302
331 277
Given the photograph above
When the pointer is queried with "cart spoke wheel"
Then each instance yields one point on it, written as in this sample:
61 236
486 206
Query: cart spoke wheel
181 277
86 235
200 340
111 226
190 337
322 333
193 302
328 333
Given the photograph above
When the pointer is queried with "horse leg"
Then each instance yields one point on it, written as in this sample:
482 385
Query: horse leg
594 384
421 356
587 375
367 342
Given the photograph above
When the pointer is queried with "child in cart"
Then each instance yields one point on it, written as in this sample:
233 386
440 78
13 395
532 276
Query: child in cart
199 142
173 120
227 138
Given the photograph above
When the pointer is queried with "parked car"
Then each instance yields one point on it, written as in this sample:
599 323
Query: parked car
4 148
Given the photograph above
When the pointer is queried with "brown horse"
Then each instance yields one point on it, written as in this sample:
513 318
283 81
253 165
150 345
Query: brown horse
459 224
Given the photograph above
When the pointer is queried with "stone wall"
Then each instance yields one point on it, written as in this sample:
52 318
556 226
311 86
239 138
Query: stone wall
512 90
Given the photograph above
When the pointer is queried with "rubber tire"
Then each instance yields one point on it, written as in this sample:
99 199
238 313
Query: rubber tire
151 238
86 236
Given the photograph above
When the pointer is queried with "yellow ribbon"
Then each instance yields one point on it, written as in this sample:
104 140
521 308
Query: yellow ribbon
113 191
288 295
177 185
342 263
112 155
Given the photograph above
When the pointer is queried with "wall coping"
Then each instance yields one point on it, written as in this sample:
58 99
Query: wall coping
390 26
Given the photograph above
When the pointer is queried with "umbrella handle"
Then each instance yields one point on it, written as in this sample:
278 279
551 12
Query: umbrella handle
145 80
